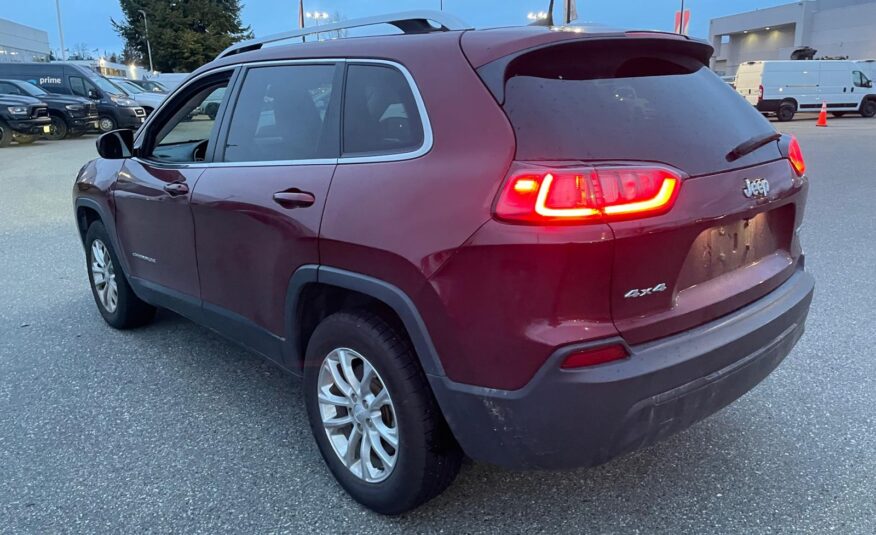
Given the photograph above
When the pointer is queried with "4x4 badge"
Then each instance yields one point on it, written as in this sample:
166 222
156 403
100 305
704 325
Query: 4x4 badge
642 292
759 187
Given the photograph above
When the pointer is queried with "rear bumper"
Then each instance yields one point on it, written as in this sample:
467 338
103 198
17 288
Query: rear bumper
584 417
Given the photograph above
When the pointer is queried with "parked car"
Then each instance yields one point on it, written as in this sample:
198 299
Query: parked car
151 85
22 119
148 100
784 88
114 108
70 116
474 241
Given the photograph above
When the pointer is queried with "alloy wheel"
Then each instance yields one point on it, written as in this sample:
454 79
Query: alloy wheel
103 275
358 415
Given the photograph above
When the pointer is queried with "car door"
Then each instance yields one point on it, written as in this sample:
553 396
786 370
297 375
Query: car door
257 210
153 190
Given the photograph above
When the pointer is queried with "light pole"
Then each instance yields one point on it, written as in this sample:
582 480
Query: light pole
60 30
681 19
148 46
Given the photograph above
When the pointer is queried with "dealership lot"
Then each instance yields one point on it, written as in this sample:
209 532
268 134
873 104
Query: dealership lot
170 427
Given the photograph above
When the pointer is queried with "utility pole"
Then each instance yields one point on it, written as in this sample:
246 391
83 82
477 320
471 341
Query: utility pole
148 46
60 30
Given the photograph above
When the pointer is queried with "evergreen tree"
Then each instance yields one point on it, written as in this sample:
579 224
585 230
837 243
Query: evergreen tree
184 34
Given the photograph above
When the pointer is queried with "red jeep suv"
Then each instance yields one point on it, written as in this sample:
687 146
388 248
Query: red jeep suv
539 247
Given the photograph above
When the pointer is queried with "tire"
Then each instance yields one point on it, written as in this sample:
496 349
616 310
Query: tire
837 114
24 139
126 310
59 128
5 134
786 112
427 457
868 108
106 124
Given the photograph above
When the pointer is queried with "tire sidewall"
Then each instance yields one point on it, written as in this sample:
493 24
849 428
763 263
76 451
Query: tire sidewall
786 112
5 134
97 232
100 124
340 330
868 108
59 128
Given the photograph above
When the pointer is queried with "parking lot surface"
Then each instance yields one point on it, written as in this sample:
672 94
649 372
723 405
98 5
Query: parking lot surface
172 428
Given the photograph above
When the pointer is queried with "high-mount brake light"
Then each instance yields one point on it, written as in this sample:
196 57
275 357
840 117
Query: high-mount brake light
589 193
796 157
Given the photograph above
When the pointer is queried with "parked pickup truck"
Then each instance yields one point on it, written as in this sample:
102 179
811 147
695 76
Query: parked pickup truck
22 119
71 116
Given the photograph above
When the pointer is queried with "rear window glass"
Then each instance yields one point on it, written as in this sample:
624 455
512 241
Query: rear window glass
614 102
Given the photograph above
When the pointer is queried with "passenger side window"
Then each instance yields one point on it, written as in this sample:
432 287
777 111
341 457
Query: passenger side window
284 113
184 136
77 85
860 80
380 112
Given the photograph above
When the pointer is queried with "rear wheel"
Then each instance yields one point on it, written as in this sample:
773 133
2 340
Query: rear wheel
786 111
115 299
59 128
373 415
106 123
868 108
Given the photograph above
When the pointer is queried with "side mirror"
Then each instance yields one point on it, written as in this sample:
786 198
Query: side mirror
116 145
92 94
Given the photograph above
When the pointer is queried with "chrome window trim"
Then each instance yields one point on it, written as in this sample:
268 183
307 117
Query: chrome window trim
424 148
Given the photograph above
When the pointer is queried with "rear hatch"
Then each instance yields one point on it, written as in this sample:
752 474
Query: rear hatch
729 237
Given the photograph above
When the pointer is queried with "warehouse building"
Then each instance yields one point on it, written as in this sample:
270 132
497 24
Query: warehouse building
20 43
833 28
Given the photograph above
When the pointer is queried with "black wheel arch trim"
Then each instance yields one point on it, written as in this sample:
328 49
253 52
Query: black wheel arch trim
108 222
390 295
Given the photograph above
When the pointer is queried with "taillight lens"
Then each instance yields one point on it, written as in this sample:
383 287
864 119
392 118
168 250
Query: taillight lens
582 194
796 157
592 357
760 93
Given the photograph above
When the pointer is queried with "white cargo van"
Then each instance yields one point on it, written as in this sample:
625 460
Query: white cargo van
784 88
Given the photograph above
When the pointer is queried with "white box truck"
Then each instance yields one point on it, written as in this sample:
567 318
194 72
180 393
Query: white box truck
784 88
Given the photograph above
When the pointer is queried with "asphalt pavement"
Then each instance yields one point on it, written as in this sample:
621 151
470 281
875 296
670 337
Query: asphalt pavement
170 428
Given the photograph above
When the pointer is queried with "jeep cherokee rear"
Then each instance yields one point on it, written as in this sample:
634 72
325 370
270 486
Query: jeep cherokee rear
536 260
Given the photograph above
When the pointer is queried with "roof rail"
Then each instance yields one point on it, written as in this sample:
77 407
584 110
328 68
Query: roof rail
406 21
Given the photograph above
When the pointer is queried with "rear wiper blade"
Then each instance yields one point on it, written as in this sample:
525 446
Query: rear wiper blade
752 144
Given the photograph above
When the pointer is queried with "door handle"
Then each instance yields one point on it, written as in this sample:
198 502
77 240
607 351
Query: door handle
176 188
294 198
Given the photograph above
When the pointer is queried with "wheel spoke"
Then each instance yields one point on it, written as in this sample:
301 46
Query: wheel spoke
346 361
367 378
338 378
380 399
325 396
365 457
390 435
377 447
337 421
349 454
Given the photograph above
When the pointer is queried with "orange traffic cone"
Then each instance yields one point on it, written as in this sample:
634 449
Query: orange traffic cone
822 117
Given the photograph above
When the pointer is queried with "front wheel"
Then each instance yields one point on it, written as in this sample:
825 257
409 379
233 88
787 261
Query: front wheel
115 299
106 124
786 112
59 129
868 108
373 415
5 134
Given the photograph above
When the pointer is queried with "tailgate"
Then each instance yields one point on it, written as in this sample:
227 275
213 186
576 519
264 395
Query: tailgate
716 251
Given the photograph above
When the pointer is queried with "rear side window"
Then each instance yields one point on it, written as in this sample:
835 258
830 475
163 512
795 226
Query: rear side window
380 112
626 101
283 113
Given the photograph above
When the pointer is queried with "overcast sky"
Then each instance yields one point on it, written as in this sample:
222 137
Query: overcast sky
88 21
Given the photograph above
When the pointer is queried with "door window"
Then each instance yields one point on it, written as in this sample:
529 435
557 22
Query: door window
182 133
380 112
284 113
860 80
9 89
77 85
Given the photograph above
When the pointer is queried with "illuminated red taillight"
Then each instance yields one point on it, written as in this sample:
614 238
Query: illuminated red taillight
592 357
591 193
796 157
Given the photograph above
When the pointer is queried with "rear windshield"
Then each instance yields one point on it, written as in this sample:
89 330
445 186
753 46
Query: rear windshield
615 101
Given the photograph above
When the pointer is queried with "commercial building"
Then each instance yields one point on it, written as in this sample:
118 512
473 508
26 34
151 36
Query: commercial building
20 43
835 28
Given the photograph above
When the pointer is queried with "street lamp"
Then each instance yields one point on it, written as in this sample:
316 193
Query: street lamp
316 16
148 46
534 16
61 30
